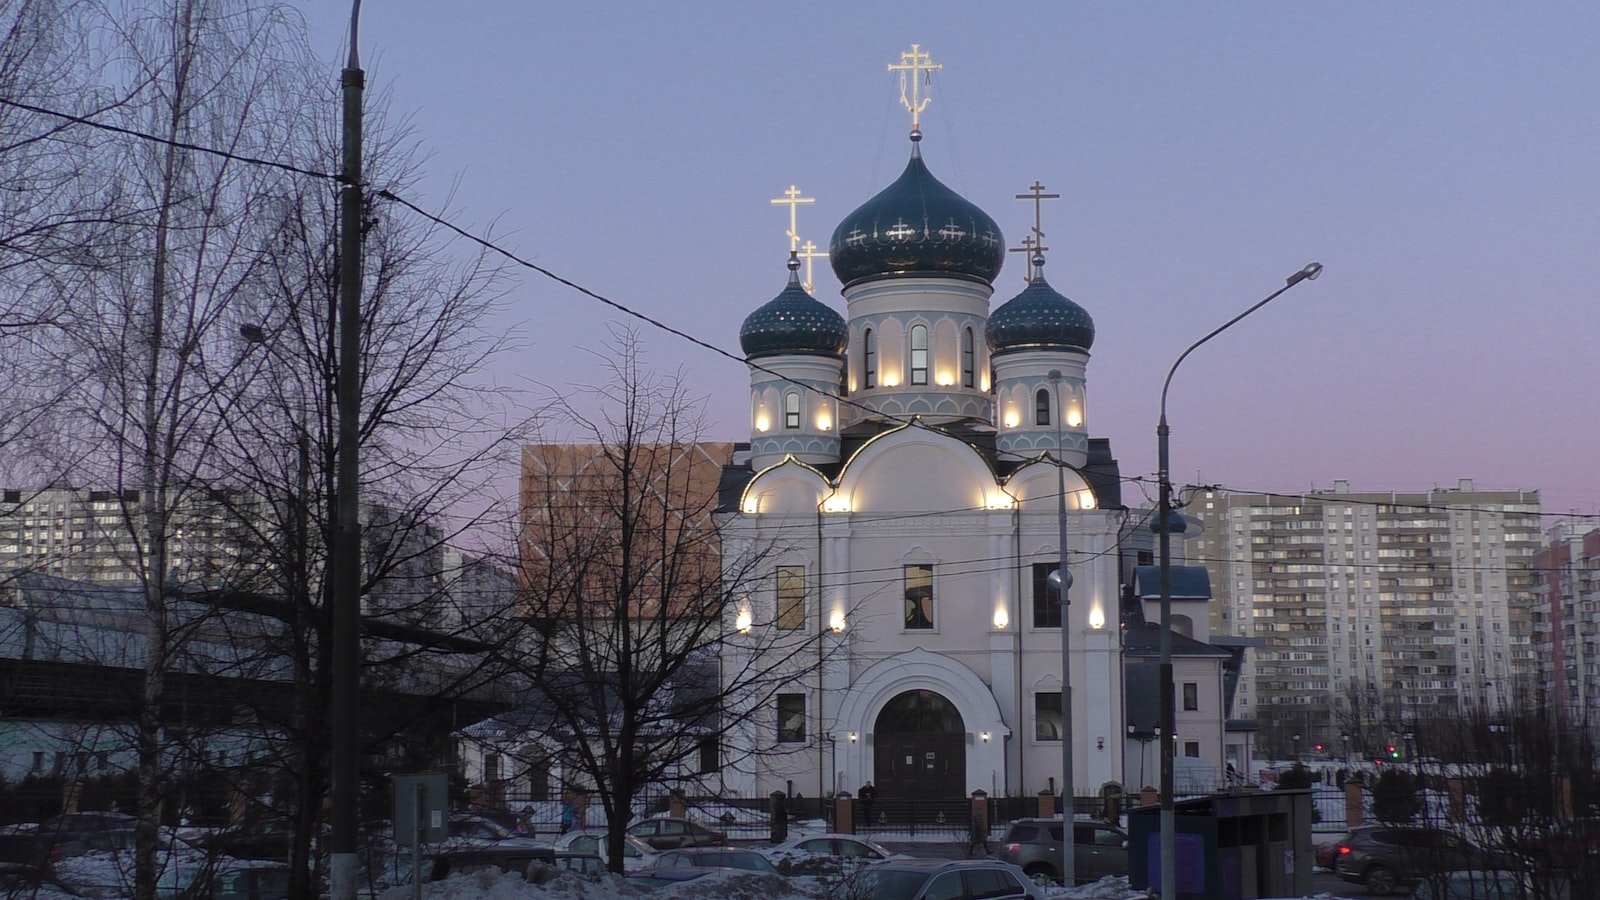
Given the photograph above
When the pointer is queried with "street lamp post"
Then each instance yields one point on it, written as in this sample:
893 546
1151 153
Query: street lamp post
344 563
1346 739
1295 740
1164 527
1063 584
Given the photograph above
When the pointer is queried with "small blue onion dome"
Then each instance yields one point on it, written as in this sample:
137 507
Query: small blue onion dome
1176 523
1039 317
794 322
916 226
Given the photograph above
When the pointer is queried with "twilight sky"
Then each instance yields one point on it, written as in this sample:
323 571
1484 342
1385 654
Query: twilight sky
1441 160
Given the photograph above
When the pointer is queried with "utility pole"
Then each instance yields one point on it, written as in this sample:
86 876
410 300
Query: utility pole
344 577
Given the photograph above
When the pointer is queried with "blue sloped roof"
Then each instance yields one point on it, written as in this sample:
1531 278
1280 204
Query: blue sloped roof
1188 583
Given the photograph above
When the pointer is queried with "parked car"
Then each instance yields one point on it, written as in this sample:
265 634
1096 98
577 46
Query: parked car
1484 884
636 854
581 863
715 858
1098 849
651 879
270 839
71 834
479 827
666 833
835 846
226 880
20 879
1564 845
957 879
505 857
1387 857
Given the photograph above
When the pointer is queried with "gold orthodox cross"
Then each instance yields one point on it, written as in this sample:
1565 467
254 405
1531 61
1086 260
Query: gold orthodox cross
1038 196
1030 246
918 64
792 199
808 252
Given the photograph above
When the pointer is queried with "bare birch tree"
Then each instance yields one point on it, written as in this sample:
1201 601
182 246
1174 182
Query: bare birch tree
628 595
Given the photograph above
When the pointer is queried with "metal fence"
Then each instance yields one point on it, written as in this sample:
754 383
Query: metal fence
750 817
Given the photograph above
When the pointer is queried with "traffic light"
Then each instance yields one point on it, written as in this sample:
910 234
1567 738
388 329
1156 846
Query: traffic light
1319 748
1394 752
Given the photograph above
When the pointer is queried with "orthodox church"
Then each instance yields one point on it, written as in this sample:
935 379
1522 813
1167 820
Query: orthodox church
913 469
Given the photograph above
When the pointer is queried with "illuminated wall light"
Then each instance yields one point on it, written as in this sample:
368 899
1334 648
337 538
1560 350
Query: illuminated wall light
891 379
983 383
1097 617
744 619
946 379
999 500
763 423
983 736
751 505
824 421
853 737
836 503
836 622
1001 617
1012 419
1086 500
1074 418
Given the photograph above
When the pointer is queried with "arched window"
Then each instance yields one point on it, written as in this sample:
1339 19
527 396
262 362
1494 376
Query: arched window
919 354
1041 407
869 359
791 410
967 359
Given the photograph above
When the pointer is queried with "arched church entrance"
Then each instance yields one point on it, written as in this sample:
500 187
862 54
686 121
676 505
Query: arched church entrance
919 748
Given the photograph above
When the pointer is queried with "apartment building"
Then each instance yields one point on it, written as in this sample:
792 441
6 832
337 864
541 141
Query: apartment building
1378 611
1566 618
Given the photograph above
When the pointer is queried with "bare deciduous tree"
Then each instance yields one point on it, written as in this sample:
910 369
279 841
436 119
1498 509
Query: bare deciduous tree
626 623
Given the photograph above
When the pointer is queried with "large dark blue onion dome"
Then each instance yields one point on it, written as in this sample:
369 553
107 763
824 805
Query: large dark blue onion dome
1039 317
794 322
916 226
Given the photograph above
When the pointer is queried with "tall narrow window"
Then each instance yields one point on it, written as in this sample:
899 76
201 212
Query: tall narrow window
1041 407
1191 695
968 359
869 359
919 354
844 377
1047 717
791 410
791 597
710 754
791 718
919 595
1046 606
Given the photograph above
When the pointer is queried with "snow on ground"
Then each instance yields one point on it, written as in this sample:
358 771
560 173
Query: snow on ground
503 886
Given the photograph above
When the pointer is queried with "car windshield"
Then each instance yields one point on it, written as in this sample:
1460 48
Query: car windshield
736 859
864 848
891 885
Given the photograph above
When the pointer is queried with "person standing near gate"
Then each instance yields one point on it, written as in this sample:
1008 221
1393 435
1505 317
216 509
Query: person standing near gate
867 794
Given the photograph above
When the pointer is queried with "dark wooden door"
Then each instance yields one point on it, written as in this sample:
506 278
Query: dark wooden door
919 749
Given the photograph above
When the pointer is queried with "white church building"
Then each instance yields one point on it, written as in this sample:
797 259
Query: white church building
905 473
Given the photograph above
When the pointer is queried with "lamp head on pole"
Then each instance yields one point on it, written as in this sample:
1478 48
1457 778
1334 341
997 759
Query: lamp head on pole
1309 273
1055 581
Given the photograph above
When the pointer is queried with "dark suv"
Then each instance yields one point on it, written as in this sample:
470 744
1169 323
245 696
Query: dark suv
1098 849
1384 857
940 879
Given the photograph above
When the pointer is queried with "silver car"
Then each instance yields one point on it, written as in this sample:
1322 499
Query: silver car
1098 849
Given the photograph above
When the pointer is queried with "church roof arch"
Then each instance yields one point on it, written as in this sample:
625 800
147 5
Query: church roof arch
1035 484
916 468
920 670
789 486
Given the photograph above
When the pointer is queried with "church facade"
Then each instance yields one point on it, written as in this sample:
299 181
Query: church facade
912 469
